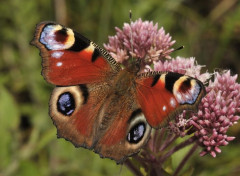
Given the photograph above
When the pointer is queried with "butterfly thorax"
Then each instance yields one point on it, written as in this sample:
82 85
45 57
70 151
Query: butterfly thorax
126 77
124 82
134 66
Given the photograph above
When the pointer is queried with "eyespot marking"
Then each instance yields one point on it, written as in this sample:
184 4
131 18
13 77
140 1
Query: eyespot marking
85 92
136 133
134 114
186 92
66 104
185 86
138 130
56 37
61 35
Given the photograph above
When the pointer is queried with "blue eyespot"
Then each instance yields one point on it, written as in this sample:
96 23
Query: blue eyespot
136 133
66 104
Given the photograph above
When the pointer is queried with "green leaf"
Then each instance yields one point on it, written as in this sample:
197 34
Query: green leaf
9 119
29 168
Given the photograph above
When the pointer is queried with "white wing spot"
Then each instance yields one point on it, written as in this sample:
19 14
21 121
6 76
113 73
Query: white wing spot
164 108
59 64
48 38
57 54
173 102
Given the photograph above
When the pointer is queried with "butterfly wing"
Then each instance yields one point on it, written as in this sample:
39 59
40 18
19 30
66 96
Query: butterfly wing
94 117
71 59
74 111
163 95
82 72
123 129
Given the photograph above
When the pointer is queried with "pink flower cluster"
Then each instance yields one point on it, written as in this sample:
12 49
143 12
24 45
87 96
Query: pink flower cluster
140 40
217 112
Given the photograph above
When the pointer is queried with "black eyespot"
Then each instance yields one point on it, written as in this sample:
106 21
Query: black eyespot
66 104
136 133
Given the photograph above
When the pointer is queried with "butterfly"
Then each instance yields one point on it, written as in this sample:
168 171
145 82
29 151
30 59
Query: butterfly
101 106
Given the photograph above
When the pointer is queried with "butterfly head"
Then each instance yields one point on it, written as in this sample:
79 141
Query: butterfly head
134 66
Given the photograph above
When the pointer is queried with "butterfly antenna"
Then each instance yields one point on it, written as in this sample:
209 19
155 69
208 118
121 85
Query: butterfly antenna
131 34
179 48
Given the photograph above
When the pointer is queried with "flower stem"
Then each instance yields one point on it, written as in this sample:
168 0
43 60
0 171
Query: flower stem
143 161
159 137
185 159
168 142
178 147
133 169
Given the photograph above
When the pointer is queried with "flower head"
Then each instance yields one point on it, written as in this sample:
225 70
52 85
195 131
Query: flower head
217 112
140 40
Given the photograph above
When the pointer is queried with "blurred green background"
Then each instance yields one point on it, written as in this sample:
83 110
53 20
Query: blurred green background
209 30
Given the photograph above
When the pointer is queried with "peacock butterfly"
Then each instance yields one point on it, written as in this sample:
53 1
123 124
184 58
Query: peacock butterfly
100 106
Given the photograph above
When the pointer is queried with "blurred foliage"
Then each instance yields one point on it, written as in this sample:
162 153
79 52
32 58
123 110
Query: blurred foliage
209 30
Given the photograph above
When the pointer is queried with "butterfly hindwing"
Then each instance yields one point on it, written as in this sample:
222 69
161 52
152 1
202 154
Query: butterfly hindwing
123 127
71 59
113 126
163 95
74 111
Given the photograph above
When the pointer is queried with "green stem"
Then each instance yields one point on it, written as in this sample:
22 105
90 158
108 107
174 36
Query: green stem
185 159
132 168
178 147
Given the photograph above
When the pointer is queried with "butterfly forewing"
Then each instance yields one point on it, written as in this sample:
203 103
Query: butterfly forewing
164 95
69 58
